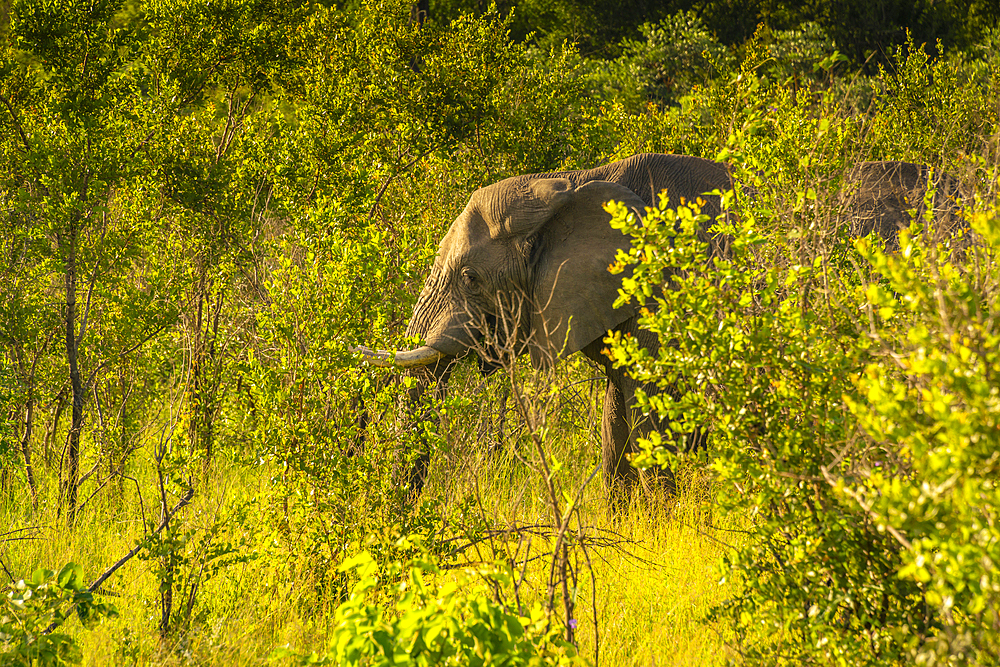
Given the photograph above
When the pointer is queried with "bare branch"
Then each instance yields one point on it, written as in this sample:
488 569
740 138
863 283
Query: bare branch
124 559
123 353
385 186
898 536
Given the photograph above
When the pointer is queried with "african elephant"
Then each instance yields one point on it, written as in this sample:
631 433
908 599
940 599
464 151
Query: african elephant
525 268
879 196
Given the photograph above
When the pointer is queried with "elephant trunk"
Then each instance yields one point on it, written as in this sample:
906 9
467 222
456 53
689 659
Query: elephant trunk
431 367
446 326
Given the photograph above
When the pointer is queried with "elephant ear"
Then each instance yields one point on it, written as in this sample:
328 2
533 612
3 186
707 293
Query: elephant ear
574 291
529 212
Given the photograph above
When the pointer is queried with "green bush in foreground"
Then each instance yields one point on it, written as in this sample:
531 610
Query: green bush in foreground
434 624
853 407
933 393
34 609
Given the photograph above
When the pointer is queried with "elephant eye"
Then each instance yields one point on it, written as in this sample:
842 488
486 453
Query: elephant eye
469 277
530 249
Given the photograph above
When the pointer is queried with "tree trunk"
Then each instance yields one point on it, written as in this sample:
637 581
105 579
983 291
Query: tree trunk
195 398
76 384
50 432
29 420
204 386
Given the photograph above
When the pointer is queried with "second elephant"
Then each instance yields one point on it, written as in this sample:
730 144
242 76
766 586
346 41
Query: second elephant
880 196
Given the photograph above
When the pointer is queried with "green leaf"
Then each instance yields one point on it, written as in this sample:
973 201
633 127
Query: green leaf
70 576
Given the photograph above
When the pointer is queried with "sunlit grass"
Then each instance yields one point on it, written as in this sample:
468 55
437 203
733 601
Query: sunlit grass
652 586
657 568
652 574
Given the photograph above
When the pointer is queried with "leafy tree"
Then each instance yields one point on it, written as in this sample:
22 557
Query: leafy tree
213 68
124 148
70 145
677 53
864 30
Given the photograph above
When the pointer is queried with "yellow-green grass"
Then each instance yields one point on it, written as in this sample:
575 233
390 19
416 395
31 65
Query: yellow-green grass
655 577
653 585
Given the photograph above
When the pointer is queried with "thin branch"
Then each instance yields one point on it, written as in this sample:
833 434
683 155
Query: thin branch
22 539
104 482
385 186
593 596
123 353
898 536
20 530
138 491
124 559
29 418
163 524
88 474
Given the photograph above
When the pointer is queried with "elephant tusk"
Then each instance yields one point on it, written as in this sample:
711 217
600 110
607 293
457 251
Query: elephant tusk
422 356
375 358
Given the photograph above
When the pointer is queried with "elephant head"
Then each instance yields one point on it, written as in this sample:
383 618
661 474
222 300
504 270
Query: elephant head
524 268
880 196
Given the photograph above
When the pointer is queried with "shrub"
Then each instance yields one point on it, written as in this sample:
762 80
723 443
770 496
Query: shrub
33 610
852 405
675 54
932 394
440 623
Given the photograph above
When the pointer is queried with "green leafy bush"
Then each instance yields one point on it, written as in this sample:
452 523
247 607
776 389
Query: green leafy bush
927 107
674 55
449 621
851 401
34 609
933 395
797 53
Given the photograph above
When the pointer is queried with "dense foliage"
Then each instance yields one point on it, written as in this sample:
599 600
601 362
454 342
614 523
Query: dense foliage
850 393
861 29
203 204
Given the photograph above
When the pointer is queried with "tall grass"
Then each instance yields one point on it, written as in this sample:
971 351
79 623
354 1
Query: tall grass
654 572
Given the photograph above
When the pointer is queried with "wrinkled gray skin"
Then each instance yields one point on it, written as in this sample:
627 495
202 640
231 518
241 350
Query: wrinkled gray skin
880 196
524 268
